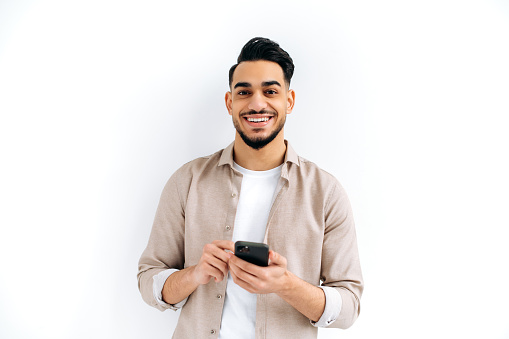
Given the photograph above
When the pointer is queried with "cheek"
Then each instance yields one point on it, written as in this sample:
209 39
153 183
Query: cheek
281 108
280 104
236 108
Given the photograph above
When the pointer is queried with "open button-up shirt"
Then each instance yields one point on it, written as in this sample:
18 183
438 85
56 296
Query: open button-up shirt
310 223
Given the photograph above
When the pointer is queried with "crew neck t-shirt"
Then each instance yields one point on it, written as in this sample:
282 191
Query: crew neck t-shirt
257 194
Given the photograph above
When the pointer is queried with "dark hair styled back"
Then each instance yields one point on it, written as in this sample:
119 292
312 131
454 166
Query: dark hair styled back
265 49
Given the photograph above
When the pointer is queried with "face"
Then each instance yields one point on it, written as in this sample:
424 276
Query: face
259 102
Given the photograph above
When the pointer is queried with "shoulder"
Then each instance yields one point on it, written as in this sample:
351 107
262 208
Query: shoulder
312 171
202 166
201 163
181 180
336 204
319 180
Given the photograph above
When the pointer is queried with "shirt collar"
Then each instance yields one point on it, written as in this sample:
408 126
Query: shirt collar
227 155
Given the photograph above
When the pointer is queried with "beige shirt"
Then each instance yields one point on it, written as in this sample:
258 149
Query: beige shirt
310 223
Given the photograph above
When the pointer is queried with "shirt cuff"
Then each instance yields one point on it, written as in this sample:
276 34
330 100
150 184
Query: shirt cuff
333 304
157 289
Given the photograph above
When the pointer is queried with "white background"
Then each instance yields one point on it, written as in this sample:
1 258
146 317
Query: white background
405 102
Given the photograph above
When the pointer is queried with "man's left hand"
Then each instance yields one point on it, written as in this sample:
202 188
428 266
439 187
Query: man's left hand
257 279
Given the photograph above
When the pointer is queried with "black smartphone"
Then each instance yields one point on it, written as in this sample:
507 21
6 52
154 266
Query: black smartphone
254 252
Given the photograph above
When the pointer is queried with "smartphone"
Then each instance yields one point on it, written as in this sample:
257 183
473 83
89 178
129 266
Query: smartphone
254 252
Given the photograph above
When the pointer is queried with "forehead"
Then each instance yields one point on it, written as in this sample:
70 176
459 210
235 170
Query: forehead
255 72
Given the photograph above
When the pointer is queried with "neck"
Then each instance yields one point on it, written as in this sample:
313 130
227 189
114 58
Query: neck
266 158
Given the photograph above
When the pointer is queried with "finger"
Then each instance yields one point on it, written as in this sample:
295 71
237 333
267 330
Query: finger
240 282
215 251
240 273
209 259
246 266
276 259
273 257
213 272
225 244
217 264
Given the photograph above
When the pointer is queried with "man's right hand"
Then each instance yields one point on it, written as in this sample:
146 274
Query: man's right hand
213 263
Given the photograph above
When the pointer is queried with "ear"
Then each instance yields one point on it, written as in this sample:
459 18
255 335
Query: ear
290 101
228 102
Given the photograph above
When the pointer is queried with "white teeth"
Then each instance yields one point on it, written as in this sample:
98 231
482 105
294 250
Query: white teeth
257 119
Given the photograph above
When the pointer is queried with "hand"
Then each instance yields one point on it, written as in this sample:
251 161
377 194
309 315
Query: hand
213 263
257 279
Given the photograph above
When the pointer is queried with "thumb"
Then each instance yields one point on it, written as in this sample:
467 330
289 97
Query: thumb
276 258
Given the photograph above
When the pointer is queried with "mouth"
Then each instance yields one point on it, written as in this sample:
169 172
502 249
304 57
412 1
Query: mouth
258 120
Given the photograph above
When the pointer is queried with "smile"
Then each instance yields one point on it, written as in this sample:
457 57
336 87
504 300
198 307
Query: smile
258 119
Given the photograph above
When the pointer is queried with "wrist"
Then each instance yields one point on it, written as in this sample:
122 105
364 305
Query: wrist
287 284
192 277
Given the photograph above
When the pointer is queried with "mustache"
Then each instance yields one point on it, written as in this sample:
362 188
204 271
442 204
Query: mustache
253 112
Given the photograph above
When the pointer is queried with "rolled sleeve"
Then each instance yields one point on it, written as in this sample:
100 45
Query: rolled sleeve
157 289
333 303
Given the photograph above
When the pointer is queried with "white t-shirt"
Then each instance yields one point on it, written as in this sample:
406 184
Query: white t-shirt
257 193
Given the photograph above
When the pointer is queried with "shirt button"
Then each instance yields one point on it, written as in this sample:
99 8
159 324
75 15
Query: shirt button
219 296
212 331
228 227
234 195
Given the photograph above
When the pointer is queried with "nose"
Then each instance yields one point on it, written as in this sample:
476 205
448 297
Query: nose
257 102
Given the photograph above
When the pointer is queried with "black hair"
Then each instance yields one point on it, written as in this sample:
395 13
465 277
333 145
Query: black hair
265 49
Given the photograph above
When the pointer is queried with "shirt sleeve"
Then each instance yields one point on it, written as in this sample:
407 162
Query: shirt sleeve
165 248
157 286
340 257
333 303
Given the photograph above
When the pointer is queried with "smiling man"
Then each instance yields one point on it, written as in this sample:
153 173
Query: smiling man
257 189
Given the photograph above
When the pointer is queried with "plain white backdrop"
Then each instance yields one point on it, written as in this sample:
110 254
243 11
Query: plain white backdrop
405 102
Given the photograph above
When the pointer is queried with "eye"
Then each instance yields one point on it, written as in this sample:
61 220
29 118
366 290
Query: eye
242 92
271 91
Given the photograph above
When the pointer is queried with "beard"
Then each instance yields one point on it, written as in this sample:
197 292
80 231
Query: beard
258 142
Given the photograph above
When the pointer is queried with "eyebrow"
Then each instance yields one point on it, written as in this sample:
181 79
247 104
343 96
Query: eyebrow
242 84
270 83
264 84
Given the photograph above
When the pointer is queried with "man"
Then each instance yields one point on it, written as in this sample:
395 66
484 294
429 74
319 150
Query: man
257 189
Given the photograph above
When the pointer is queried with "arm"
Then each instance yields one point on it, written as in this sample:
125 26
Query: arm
304 297
165 248
340 267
